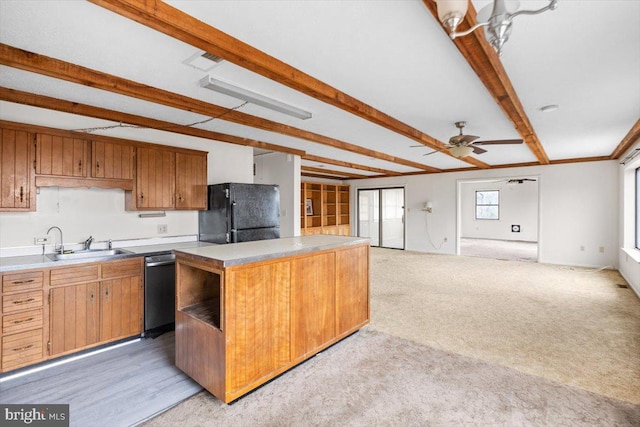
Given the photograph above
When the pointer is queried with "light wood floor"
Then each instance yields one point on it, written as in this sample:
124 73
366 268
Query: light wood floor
120 387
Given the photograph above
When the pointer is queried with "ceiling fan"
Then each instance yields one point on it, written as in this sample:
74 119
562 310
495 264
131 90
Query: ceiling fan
463 145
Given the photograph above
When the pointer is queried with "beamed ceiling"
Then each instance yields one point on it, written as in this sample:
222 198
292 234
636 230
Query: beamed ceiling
382 79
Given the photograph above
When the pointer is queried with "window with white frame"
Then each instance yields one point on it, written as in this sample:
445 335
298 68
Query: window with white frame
488 204
637 208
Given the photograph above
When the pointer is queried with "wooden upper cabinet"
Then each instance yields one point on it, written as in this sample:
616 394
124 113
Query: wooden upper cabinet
191 181
61 156
155 179
112 160
17 187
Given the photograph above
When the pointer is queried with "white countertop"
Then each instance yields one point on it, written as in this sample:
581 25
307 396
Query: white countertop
261 250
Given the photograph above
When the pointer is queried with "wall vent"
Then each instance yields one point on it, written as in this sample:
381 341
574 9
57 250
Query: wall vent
203 61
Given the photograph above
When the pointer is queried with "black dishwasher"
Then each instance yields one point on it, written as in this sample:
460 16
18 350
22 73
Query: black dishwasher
159 294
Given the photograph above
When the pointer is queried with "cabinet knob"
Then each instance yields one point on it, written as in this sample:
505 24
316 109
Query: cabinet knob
141 196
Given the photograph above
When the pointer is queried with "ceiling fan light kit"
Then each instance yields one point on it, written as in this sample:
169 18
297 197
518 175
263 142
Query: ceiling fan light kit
497 27
461 151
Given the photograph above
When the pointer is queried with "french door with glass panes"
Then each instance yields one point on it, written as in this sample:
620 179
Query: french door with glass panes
381 216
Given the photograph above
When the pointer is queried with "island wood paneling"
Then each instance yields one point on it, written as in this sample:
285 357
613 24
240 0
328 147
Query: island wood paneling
258 322
352 289
275 313
312 308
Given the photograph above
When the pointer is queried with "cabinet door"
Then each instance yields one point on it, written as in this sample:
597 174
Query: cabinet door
155 178
312 303
191 181
111 160
74 314
120 308
352 288
61 156
16 174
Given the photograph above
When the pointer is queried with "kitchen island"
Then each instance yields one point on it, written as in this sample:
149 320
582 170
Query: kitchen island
247 312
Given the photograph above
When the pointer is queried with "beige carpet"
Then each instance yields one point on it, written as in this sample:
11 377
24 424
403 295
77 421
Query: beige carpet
499 249
374 379
465 341
565 324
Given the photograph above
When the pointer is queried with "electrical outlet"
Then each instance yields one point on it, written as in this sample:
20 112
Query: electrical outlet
581 248
41 240
601 249
162 228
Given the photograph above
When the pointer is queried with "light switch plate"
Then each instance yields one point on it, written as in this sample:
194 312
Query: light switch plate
43 240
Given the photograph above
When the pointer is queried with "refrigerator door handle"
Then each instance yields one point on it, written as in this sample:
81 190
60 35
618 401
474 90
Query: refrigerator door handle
234 237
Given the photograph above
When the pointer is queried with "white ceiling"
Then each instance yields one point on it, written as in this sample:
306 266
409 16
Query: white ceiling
392 55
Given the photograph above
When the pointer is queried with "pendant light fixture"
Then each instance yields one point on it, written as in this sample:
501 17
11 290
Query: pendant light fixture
498 25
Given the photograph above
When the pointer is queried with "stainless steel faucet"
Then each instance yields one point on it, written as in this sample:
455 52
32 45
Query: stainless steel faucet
61 240
87 243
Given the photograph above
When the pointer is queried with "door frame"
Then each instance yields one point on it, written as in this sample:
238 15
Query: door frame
404 213
459 184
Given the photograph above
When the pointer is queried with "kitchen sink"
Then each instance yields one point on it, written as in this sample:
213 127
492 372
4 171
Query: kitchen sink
91 253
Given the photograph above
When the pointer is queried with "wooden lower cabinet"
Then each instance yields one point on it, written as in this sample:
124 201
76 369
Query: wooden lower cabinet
75 316
120 308
52 312
240 326
22 319
108 307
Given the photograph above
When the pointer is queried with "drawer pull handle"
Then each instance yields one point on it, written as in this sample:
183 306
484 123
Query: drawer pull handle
98 165
21 194
26 347
79 165
25 301
17 322
20 282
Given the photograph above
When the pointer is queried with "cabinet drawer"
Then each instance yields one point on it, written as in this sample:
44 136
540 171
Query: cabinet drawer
21 349
24 321
21 301
22 281
122 268
70 275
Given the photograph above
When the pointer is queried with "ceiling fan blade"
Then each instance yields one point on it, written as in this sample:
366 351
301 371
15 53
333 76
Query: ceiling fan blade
499 142
478 150
462 139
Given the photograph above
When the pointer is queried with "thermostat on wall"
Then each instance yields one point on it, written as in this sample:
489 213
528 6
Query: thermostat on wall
515 228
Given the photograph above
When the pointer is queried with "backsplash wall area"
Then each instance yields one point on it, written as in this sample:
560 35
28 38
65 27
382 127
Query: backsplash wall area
82 212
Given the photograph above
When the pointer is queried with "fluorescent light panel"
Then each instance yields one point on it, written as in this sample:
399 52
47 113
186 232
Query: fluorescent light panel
252 97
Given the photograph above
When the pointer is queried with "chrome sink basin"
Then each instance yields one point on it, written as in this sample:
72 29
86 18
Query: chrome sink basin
92 253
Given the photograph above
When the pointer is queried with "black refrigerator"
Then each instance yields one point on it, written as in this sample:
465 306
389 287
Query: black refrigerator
240 213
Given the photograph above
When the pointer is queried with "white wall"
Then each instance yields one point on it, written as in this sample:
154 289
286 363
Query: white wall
518 205
578 208
83 212
284 170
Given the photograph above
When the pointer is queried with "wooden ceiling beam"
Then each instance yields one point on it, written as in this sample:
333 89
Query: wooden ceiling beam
629 139
334 172
173 22
484 60
29 61
334 162
317 175
26 98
